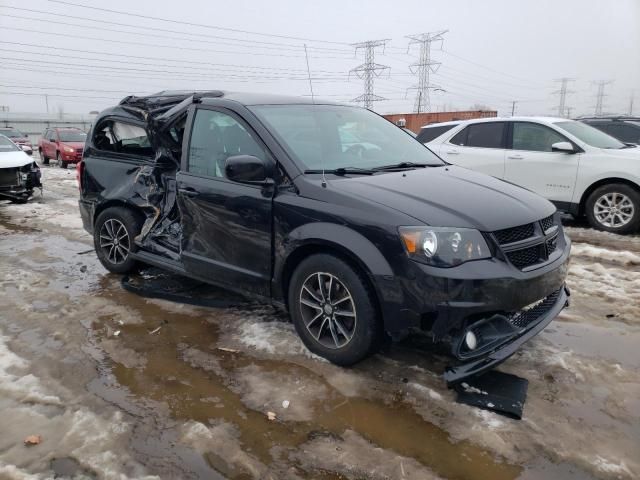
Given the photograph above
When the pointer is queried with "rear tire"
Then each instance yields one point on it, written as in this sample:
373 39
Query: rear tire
43 157
614 208
333 309
113 238
61 163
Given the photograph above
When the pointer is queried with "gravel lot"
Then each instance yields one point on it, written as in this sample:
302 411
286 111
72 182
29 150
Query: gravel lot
119 386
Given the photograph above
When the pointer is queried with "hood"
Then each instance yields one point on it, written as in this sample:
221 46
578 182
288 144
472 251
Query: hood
451 197
633 152
14 159
72 144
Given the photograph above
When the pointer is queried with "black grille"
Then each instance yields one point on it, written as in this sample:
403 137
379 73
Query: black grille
552 244
523 318
526 257
515 234
8 177
547 223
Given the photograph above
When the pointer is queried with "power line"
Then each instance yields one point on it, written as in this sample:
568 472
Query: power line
564 82
423 67
140 27
368 71
192 24
156 45
600 95
122 55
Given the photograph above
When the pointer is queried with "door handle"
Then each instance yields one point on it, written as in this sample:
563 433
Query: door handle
189 191
453 152
515 157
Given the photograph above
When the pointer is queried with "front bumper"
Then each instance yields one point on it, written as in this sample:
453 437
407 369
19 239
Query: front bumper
73 157
457 373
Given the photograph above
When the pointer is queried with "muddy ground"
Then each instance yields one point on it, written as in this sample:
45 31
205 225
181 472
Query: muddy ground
119 386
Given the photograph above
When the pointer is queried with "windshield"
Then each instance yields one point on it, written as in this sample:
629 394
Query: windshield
72 136
589 135
7 145
332 136
12 133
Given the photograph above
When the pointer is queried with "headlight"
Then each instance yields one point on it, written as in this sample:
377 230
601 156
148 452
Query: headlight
444 247
68 150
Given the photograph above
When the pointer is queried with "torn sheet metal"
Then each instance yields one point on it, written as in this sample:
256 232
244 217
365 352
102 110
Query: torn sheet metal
154 185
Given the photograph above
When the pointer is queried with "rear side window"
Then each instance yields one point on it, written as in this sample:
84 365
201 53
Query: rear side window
429 133
484 135
624 133
124 138
534 137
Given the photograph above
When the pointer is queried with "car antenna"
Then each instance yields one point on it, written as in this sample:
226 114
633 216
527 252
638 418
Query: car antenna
313 100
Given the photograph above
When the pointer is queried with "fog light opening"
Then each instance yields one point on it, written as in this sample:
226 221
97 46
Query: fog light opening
470 340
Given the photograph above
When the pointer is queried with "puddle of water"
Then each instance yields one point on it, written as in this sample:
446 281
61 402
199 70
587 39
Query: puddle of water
207 390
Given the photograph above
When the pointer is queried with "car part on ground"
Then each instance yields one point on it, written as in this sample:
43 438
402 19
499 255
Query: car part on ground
243 192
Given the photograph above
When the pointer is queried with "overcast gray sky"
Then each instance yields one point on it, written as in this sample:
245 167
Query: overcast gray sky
495 51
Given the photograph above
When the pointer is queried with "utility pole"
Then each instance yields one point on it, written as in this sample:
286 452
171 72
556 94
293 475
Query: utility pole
513 107
46 100
569 112
368 70
600 95
631 104
424 67
563 92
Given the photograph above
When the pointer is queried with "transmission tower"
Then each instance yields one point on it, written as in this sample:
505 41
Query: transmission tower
368 71
600 95
424 67
563 92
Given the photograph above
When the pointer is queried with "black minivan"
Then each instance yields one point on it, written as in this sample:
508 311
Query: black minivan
330 212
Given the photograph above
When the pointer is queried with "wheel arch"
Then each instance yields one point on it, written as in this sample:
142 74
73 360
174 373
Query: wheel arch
101 207
336 240
600 183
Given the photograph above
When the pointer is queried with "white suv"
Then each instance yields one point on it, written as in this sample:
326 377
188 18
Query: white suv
579 168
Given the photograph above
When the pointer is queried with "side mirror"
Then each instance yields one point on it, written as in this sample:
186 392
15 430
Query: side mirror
28 151
52 140
248 169
564 147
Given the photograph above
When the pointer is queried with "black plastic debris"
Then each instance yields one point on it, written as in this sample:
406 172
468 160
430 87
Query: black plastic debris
498 392
156 283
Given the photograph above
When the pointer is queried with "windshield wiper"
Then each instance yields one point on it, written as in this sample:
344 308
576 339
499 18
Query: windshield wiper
345 171
401 166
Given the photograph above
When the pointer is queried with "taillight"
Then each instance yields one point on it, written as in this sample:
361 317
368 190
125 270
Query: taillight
79 170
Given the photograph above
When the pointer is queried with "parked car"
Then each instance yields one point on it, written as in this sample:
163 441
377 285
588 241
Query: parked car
625 129
582 170
17 137
356 243
65 145
19 174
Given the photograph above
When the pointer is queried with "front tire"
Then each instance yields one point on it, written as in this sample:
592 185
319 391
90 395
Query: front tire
333 309
614 208
61 163
113 239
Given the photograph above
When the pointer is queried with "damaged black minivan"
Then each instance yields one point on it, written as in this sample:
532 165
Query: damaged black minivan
328 211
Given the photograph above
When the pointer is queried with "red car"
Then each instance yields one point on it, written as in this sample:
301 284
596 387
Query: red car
17 137
65 145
